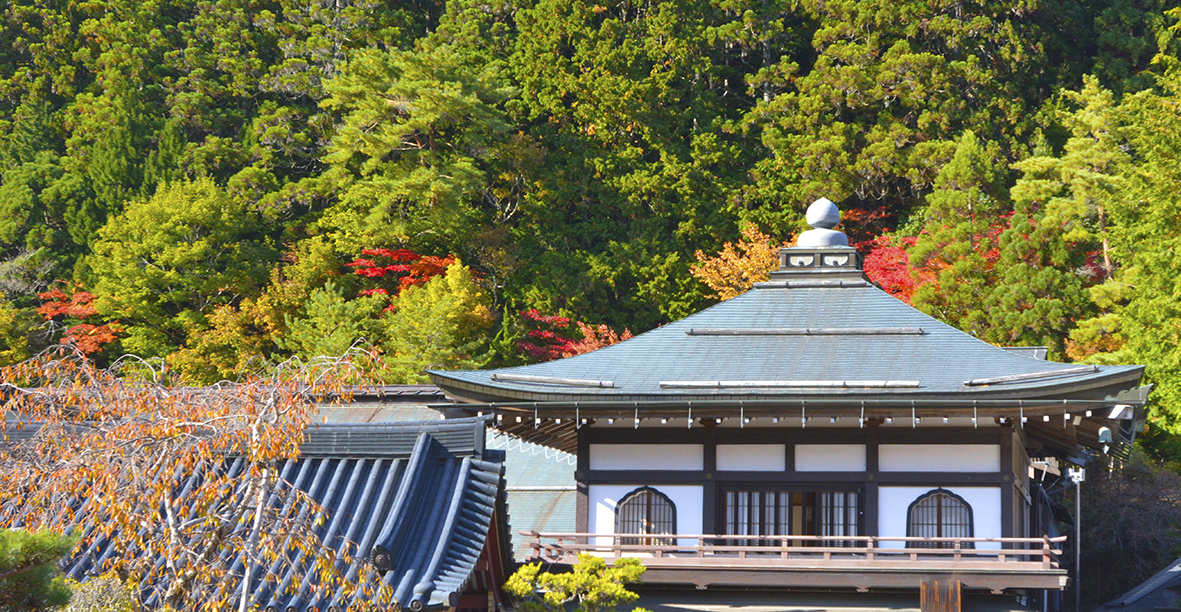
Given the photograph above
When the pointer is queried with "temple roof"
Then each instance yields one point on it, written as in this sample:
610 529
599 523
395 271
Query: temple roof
422 495
813 337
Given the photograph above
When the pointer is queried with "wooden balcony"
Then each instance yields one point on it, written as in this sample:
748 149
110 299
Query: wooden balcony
861 562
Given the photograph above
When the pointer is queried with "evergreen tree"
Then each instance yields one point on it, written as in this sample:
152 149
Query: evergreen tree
957 248
28 564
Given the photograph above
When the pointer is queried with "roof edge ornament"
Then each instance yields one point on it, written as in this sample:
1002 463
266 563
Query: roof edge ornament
821 253
823 216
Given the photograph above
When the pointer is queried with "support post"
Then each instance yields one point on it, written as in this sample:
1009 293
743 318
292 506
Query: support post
939 595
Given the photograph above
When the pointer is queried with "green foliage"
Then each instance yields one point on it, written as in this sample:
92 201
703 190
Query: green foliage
412 156
957 249
575 154
332 325
1146 240
16 327
101 594
28 564
166 262
440 325
590 586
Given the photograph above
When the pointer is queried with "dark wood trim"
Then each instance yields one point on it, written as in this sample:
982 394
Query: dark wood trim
584 437
655 477
1007 501
789 436
934 479
931 435
1006 440
871 451
943 479
709 508
709 457
870 524
582 509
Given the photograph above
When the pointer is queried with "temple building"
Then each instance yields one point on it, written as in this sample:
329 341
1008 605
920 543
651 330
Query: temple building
815 433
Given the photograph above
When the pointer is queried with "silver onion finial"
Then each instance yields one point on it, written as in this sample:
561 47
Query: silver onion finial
823 216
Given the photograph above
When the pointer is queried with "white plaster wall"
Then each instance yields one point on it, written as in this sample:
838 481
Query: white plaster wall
893 502
830 457
939 457
686 498
647 457
752 457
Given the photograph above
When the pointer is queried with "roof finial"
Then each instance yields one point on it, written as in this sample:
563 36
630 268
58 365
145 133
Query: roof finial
823 215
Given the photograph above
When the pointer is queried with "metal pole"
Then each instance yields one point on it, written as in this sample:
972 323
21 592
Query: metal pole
1078 545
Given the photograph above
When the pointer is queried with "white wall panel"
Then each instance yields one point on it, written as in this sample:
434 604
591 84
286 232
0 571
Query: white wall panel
939 457
893 503
830 457
647 457
686 498
752 457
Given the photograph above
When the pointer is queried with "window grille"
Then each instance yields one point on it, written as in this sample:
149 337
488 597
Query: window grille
939 514
773 513
646 511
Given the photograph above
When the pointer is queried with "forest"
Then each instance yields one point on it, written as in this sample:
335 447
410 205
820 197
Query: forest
218 185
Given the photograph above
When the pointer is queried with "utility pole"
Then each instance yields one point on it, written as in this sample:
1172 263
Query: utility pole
1078 475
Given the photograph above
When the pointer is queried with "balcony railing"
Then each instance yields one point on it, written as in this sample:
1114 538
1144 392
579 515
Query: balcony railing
860 552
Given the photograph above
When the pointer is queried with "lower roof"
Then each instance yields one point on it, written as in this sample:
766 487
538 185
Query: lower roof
425 494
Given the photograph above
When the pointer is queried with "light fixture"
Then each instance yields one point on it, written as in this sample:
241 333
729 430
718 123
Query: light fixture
945 419
557 421
775 420
664 421
611 421
889 419
832 420
1088 413
1046 419
518 419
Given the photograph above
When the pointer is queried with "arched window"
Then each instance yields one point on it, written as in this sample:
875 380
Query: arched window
646 511
939 514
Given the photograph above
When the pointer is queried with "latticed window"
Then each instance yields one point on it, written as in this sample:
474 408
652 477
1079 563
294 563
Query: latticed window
646 511
838 517
772 513
757 513
939 514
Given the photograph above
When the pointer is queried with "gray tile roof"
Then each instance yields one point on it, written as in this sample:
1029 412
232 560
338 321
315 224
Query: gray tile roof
790 331
540 488
427 492
1156 593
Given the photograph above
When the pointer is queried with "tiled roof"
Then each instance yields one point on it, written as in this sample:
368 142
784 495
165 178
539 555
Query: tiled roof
426 492
540 488
788 332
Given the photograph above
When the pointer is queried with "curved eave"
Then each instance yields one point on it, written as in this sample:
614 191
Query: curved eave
477 387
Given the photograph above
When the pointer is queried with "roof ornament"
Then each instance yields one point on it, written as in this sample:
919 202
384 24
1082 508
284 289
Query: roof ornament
823 216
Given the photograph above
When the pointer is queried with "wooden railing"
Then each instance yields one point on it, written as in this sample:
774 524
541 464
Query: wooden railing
799 550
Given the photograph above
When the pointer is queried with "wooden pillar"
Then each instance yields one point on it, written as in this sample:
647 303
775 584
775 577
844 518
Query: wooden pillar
939 595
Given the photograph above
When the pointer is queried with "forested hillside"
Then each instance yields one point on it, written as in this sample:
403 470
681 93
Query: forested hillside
226 183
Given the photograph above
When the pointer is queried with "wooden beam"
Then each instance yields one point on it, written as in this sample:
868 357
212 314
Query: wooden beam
939 595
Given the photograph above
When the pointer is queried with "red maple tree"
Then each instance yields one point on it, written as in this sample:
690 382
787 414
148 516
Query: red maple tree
72 309
396 269
888 264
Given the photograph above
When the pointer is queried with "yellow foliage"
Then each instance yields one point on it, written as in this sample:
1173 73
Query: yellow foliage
740 264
